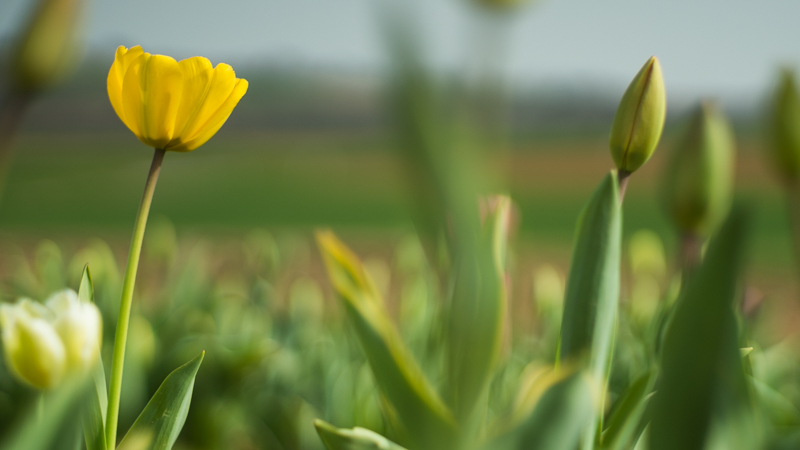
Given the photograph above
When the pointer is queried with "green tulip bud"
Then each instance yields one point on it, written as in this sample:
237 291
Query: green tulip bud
48 46
639 120
698 186
786 128
42 343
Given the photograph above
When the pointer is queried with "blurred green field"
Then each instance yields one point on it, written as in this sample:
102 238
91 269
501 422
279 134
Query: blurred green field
63 184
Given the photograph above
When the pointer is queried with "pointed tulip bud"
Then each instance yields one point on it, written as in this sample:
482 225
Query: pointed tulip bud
698 186
47 48
785 128
639 120
33 350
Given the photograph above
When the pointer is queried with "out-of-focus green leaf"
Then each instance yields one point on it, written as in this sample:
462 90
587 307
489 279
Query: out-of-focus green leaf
477 315
626 422
778 408
426 420
54 428
560 416
94 412
86 288
94 418
592 294
161 421
353 439
701 362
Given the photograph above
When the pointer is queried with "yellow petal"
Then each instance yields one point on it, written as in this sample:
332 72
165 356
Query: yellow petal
133 110
216 120
122 60
151 93
197 75
219 89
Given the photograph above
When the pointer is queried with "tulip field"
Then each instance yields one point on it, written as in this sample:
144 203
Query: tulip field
412 264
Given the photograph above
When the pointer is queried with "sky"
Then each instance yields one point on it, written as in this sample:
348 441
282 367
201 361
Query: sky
717 48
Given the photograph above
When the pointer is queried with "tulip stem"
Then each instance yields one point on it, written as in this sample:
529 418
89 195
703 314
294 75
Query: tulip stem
120 340
622 178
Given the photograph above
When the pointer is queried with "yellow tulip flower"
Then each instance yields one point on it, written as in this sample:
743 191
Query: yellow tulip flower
172 105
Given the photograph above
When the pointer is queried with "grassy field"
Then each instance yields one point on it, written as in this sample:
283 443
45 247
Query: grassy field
65 186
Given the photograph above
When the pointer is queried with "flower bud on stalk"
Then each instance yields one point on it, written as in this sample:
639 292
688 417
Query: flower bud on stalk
42 343
785 129
47 47
698 186
639 120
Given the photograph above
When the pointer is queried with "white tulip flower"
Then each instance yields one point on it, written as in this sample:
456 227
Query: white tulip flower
43 343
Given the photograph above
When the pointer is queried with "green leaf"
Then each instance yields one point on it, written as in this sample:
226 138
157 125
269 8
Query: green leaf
94 409
563 412
477 315
53 427
94 413
426 421
559 417
701 363
781 411
161 421
354 439
592 293
627 422
86 289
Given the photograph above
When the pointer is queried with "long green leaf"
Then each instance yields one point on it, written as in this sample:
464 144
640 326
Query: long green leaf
427 422
592 293
626 422
161 421
477 315
94 410
94 413
558 418
701 364
353 439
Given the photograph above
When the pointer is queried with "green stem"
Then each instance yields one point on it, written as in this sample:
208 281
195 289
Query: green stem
120 340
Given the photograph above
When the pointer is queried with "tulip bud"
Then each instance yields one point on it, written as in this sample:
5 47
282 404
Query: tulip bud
42 343
786 128
639 120
33 350
48 46
698 186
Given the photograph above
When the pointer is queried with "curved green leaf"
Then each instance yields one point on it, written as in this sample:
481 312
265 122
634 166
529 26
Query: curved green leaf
701 363
427 422
353 439
161 421
477 314
592 293
627 422
558 418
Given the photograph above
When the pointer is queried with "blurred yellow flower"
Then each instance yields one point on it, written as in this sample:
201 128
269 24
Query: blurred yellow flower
172 105
43 342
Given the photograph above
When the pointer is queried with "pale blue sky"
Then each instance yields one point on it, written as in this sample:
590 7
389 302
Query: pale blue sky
728 48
